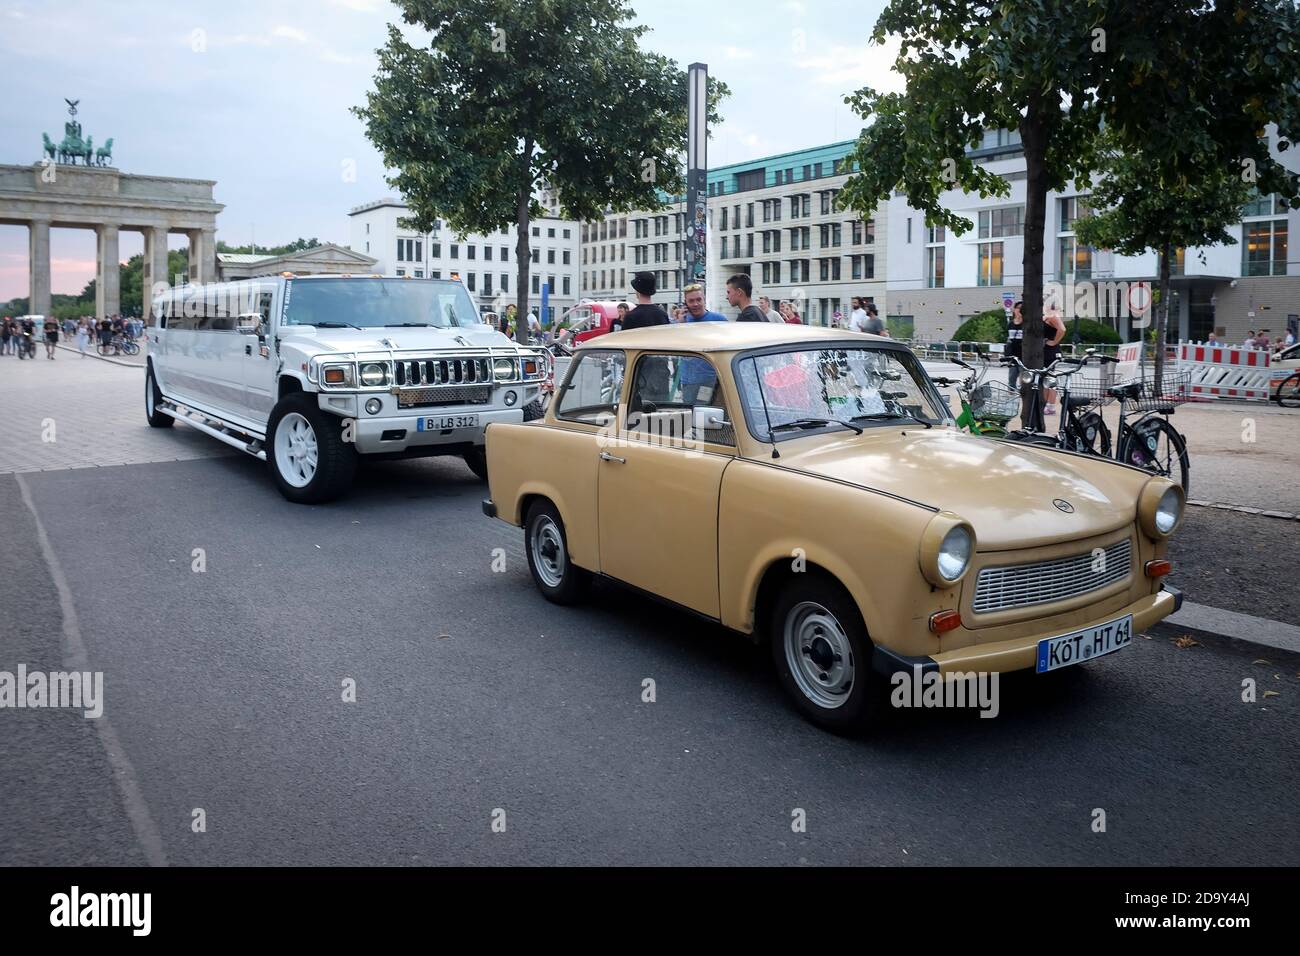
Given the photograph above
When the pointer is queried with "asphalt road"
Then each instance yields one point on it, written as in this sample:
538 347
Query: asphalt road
223 692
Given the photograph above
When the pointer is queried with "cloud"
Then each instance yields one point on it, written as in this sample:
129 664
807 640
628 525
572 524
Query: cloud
850 68
360 6
285 32
737 53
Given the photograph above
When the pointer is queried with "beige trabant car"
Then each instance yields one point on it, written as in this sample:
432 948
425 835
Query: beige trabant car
808 487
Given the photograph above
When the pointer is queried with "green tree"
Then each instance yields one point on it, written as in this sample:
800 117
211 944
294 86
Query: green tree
1140 203
298 245
507 97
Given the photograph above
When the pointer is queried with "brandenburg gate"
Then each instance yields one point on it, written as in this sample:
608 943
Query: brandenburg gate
59 192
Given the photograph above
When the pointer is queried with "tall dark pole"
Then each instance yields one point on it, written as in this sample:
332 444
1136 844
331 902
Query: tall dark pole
695 234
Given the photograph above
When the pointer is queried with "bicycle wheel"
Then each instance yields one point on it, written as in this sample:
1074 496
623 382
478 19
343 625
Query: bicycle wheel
1154 444
1288 392
130 348
1091 434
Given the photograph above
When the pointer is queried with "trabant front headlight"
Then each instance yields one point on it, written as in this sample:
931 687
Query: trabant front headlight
1160 507
373 374
947 546
503 369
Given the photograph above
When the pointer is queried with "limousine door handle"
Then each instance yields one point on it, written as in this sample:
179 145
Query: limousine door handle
248 348
606 456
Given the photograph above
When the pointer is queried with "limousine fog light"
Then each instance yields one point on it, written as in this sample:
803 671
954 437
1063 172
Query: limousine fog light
947 545
374 406
511 398
372 374
503 369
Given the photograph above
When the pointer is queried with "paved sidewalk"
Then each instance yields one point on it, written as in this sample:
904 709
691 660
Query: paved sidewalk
76 412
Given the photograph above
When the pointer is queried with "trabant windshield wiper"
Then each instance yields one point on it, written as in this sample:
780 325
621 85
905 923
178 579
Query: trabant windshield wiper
815 423
884 416
337 325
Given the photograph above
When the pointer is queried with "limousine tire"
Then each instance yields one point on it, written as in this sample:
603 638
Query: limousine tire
476 459
305 449
547 546
823 654
534 410
152 399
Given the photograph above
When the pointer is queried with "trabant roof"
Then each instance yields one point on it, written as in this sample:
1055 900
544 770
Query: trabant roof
727 337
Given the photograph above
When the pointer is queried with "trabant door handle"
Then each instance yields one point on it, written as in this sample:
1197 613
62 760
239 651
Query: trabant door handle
606 456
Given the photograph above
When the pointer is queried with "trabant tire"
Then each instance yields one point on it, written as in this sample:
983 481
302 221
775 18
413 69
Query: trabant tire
476 459
556 576
305 449
823 655
152 399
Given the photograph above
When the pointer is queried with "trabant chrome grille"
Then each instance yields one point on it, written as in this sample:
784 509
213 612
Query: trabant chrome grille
444 395
443 371
1022 585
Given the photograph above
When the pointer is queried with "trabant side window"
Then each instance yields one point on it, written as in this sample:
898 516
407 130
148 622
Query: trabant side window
666 390
591 392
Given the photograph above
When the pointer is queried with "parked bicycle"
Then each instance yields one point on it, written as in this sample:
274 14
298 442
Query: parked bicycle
986 407
119 344
1288 392
1081 427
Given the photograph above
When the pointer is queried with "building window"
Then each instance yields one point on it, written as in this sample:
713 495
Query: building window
401 272
536 285
1069 209
469 280
435 274
566 285
367 229
419 273
537 232
1000 223
934 267
505 253
990 264
537 255
470 252
550 257
1263 248
455 251
566 257
487 283
550 233
505 282
836 234
435 250
565 234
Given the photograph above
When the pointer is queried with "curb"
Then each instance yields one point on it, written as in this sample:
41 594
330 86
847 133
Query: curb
1220 506
102 358
1231 626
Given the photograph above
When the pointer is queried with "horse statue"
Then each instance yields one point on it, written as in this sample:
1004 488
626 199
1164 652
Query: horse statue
51 150
104 155
72 145
88 150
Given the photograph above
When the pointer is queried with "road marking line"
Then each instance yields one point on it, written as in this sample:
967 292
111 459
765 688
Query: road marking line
76 658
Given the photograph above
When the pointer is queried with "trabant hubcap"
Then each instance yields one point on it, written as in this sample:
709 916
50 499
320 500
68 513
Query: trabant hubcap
819 654
548 552
296 453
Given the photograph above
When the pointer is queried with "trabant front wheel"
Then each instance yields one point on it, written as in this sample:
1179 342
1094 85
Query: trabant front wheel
556 576
305 449
823 655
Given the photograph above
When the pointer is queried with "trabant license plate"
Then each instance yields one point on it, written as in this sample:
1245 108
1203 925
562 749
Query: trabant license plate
1080 646
443 422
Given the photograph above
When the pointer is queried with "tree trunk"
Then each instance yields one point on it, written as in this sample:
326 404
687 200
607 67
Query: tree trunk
523 252
1033 136
1162 318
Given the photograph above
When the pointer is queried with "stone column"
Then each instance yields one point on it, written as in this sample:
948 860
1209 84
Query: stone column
203 255
108 274
38 264
155 262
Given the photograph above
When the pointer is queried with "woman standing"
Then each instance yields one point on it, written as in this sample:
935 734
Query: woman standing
83 336
1053 333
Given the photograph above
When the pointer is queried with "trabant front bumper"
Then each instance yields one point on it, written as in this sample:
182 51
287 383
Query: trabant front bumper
1021 653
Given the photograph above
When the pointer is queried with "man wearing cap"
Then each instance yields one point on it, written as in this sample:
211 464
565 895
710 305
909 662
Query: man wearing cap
646 312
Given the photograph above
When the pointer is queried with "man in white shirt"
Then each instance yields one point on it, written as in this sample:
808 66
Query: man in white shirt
765 304
858 318
534 324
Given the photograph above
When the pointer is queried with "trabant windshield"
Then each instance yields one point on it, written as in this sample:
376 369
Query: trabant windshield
378 303
787 392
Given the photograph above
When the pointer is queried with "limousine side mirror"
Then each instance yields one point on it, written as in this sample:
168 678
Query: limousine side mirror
250 324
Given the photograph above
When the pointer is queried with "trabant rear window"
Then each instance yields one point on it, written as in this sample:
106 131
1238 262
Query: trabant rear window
378 303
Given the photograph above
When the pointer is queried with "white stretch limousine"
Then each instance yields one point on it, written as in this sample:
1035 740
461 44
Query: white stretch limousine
307 372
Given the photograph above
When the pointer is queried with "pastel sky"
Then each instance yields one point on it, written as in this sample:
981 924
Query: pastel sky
255 95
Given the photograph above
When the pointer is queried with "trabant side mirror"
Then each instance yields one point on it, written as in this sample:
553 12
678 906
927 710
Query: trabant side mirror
708 418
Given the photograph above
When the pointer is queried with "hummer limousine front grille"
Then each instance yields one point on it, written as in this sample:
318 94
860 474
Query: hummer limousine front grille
444 395
442 371
1022 585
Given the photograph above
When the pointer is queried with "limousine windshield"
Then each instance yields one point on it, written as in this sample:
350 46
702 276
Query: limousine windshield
379 303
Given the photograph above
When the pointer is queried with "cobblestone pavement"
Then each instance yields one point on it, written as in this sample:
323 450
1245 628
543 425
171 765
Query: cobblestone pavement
76 412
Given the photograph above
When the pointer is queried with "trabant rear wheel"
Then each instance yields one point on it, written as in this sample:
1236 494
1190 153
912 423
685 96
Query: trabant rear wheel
555 575
823 655
305 449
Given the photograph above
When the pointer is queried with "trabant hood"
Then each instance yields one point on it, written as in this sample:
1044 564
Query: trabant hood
1006 490
311 339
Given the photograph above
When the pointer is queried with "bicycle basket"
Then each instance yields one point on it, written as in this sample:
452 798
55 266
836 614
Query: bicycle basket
1175 388
994 401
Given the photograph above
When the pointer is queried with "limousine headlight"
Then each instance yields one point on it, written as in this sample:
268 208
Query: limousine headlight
1160 507
503 369
341 375
374 373
947 545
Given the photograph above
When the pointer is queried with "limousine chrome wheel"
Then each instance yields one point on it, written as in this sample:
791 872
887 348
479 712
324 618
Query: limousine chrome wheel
557 577
296 451
822 653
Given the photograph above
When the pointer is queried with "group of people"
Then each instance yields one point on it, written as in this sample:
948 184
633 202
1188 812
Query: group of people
14 331
1261 340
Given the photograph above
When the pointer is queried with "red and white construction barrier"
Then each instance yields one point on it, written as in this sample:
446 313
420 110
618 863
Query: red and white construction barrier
1225 371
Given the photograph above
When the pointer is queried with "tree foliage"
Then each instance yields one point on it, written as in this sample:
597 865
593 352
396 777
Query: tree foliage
507 97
